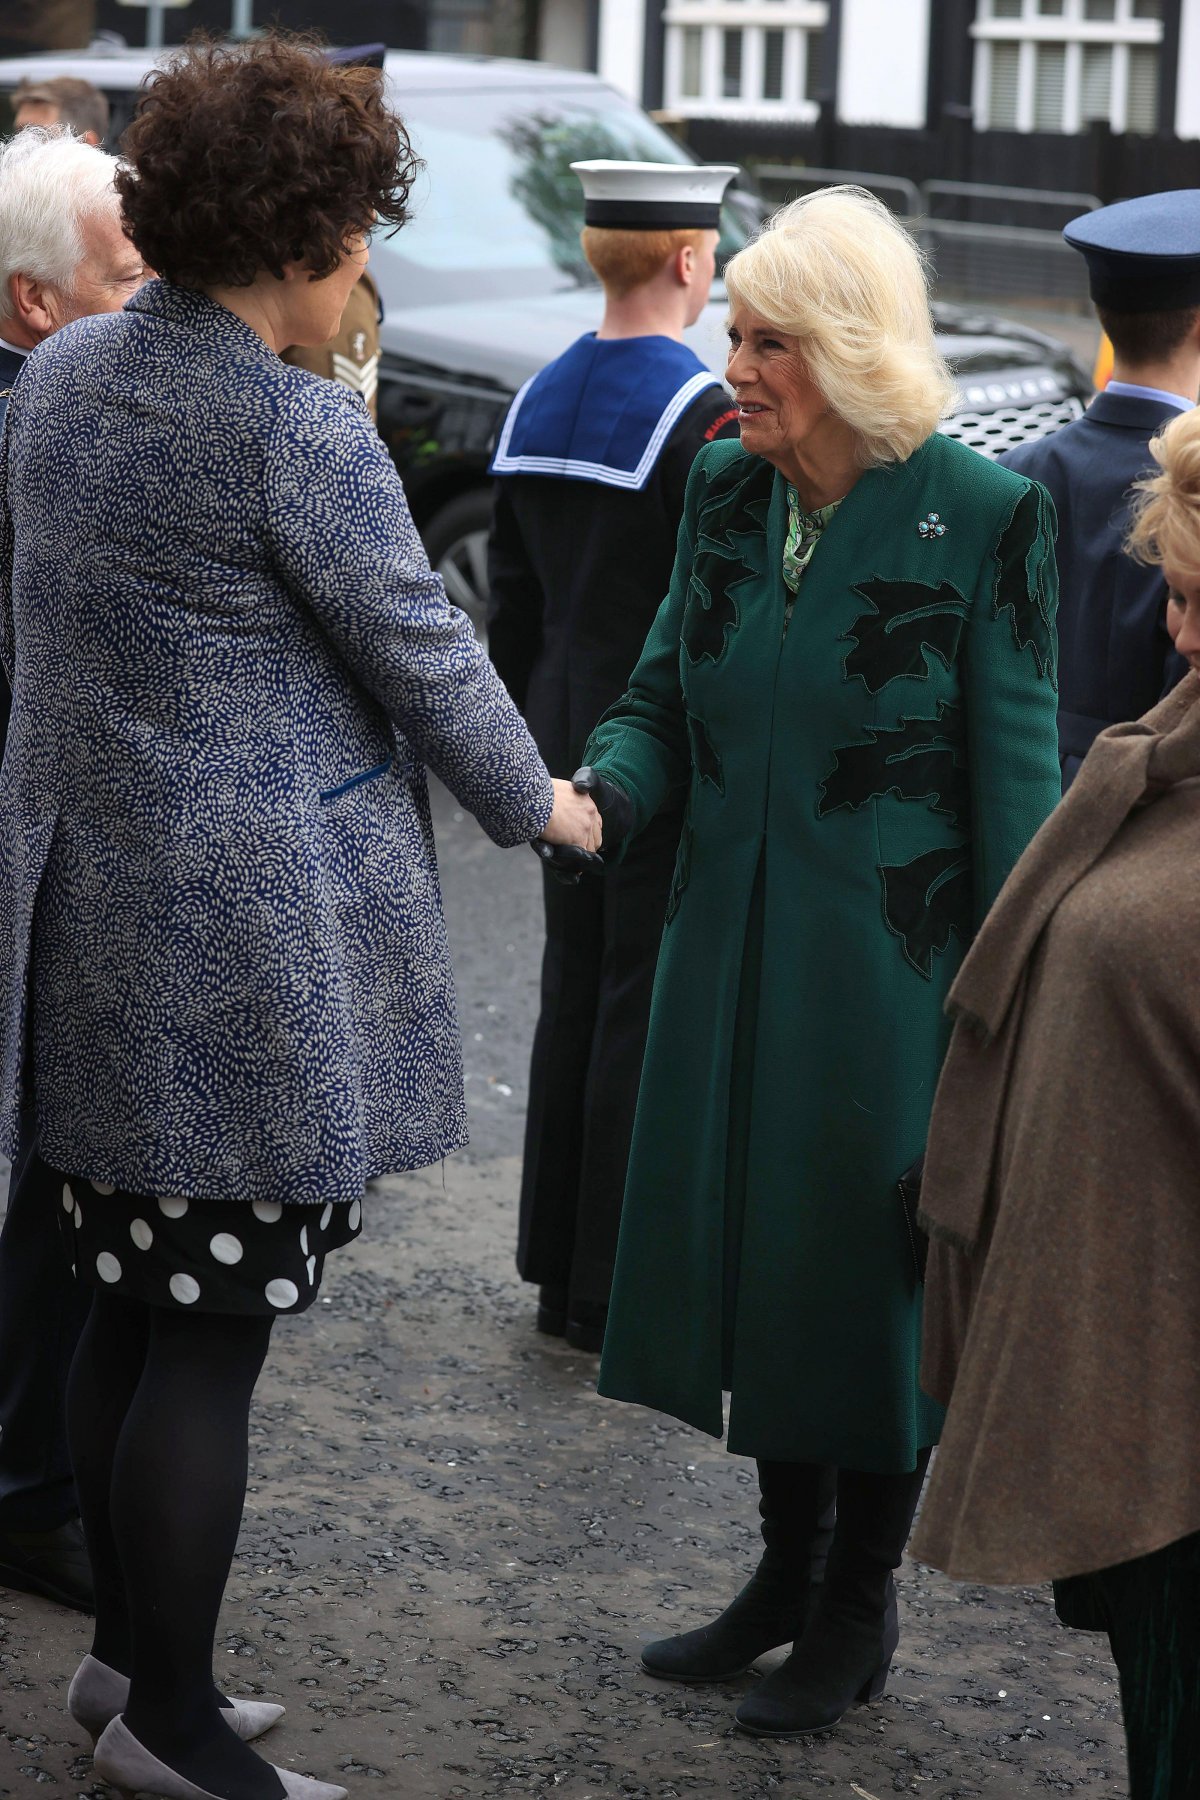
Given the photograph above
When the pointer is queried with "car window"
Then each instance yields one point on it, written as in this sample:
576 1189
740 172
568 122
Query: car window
496 211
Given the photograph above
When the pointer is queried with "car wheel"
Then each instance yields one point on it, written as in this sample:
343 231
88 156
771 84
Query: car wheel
456 544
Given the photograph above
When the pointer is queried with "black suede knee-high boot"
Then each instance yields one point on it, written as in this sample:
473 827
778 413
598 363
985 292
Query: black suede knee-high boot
796 1506
852 1631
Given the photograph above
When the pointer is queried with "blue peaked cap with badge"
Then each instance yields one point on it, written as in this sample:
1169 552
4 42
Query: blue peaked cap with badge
1142 255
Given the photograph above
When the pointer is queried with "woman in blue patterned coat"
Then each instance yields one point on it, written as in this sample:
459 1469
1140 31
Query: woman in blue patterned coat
223 968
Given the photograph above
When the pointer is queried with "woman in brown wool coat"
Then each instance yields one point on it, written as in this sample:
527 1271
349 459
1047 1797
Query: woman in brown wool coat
1061 1193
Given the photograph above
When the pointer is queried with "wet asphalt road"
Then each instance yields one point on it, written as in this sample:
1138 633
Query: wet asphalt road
452 1548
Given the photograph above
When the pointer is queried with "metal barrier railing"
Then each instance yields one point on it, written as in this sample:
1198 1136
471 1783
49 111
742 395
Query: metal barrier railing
971 257
798 178
1054 199
1003 261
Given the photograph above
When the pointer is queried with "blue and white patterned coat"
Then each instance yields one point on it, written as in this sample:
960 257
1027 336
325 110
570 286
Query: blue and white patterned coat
222 954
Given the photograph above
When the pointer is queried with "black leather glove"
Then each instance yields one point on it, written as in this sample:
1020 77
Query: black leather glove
611 802
566 862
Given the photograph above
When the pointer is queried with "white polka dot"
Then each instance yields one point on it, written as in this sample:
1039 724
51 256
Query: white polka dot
311 1266
184 1288
326 1215
304 1240
141 1234
105 1187
226 1248
282 1293
78 1219
68 1198
107 1266
355 1214
266 1210
172 1206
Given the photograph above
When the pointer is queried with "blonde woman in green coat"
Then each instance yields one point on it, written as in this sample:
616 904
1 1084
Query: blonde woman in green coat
852 677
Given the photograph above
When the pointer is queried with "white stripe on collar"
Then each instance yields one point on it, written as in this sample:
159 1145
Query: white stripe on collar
607 476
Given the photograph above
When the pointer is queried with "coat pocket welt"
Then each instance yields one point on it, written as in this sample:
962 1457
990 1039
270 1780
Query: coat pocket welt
353 781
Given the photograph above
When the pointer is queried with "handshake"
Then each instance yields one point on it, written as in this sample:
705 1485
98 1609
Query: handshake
584 808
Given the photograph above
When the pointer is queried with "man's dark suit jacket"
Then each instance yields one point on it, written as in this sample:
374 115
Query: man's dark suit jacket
11 364
10 367
1114 655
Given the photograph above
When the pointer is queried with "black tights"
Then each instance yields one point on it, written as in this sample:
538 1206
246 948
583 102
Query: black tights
158 1409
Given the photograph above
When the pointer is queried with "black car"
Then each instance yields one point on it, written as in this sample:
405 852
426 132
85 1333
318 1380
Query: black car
487 282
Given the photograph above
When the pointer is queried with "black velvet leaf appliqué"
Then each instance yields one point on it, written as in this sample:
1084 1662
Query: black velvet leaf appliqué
707 619
730 553
1023 557
919 759
907 620
926 899
704 758
683 867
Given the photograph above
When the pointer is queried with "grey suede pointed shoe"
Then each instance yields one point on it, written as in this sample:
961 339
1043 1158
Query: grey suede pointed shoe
130 1768
98 1695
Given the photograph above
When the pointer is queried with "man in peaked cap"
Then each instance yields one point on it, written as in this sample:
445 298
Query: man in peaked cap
1115 657
592 464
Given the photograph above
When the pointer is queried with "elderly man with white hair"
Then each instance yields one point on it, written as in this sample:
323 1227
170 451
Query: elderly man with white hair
63 255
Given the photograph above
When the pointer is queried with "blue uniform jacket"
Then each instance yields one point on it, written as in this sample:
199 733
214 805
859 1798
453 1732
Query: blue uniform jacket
1114 655
222 955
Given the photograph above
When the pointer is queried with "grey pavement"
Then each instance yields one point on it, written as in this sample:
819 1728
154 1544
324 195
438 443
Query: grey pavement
452 1548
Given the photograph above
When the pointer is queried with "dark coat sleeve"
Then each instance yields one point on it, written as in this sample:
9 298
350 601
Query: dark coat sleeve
515 600
6 565
370 590
711 416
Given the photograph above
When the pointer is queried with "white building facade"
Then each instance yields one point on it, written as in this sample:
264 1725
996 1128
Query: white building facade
1024 66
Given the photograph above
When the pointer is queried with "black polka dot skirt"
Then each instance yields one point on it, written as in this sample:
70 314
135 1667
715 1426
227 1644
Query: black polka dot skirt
215 1256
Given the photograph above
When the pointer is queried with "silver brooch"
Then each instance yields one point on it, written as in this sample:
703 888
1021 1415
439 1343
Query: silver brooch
931 526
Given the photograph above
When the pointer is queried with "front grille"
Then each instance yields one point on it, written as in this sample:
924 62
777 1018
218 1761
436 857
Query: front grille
996 432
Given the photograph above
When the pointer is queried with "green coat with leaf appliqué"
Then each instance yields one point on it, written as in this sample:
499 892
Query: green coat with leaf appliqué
858 790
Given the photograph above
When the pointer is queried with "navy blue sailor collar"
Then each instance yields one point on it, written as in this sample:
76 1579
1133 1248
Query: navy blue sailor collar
602 411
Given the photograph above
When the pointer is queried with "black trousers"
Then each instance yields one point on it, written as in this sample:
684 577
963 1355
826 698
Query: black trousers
1150 1608
602 941
42 1312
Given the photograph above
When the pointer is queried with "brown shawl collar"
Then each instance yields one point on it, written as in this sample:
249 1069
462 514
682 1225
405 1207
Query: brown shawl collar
1126 767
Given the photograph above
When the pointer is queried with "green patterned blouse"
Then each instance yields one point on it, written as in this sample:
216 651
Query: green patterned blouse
803 535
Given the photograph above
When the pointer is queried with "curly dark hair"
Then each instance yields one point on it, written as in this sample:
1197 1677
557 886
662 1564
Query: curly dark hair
243 157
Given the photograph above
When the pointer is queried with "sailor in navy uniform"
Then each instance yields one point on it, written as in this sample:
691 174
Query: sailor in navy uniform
592 464
1115 657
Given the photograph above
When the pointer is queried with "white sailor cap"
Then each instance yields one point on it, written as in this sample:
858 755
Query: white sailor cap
639 196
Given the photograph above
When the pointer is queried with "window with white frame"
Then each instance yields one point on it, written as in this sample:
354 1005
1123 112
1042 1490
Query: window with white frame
744 58
1056 65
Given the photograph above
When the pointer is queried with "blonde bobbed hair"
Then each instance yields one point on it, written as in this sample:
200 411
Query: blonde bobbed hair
836 270
1166 521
